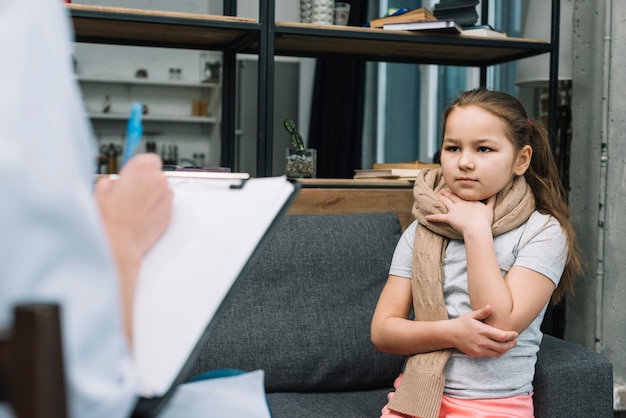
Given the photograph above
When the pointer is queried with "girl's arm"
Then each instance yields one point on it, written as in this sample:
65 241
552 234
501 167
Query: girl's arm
516 300
519 298
392 332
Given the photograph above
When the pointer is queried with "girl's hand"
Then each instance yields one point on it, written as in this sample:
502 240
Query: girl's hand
475 338
464 215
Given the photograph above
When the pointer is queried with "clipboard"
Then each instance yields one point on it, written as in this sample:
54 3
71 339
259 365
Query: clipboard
186 281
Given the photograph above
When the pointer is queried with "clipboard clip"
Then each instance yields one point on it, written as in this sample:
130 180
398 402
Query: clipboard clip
239 186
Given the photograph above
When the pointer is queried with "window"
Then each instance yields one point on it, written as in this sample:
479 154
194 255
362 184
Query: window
411 98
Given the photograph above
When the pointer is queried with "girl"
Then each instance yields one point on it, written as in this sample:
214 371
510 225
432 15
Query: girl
490 244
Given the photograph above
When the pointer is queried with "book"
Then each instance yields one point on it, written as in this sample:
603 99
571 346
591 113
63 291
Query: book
462 11
402 16
217 230
455 5
410 164
485 31
388 173
441 26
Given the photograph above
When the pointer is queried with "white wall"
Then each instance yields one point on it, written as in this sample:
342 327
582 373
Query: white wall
121 62
285 10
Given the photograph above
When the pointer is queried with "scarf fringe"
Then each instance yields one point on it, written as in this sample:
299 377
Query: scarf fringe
421 388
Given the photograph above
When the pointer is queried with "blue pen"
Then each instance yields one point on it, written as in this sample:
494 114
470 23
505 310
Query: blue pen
134 132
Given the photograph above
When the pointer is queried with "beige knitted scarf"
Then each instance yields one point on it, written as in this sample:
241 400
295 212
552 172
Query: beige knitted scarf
421 389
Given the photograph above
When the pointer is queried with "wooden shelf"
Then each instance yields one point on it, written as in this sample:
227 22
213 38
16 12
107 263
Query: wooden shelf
301 39
116 25
148 82
356 183
344 196
155 118
124 26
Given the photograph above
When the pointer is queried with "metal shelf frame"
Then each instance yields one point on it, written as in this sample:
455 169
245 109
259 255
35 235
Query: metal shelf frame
268 38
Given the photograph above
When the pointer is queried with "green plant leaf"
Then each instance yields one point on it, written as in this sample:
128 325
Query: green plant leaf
296 138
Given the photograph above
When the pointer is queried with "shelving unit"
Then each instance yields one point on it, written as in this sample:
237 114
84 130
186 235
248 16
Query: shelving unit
209 120
267 38
147 91
148 82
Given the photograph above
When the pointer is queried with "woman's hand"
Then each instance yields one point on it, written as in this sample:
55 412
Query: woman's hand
136 209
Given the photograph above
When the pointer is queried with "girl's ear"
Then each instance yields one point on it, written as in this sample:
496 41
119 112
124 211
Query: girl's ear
523 160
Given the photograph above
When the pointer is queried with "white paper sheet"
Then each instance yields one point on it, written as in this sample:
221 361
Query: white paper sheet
214 231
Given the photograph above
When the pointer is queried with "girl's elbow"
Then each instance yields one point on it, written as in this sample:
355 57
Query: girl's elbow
381 347
506 323
377 338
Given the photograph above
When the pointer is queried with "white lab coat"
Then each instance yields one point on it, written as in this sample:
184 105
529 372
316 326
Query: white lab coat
52 242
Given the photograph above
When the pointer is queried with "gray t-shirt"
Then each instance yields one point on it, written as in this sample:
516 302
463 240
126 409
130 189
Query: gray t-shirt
540 245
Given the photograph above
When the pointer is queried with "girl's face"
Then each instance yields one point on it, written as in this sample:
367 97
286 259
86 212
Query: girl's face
477 158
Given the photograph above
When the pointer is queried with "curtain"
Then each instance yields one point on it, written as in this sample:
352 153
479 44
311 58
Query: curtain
336 125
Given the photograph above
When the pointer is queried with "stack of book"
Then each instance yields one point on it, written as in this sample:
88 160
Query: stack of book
448 26
415 20
386 173
463 12
404 15
408 170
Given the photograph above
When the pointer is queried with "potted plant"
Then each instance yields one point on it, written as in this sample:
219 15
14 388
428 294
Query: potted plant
212 71
301 161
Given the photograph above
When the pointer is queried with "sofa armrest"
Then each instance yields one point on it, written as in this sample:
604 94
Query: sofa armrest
573 381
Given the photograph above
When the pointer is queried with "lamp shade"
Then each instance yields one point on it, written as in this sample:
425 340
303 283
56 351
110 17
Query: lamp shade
535 71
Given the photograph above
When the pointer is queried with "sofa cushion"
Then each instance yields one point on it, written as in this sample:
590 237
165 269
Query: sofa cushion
303 313
365 403
572 381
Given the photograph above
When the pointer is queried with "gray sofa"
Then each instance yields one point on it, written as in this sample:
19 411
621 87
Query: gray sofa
303 315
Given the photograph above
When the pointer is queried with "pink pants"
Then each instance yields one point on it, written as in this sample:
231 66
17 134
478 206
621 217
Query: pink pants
513 407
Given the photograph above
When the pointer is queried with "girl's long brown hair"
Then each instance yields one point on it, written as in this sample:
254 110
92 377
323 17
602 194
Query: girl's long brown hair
542 175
